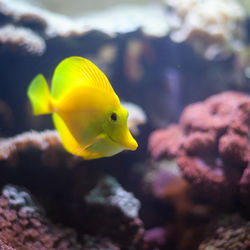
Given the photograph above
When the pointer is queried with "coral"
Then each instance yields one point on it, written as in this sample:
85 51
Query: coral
37 157
165 182
23 38
30 146
164 142
229 232
109 193
212 145
23 225
114 202
136 117
214 28
156 237
59 25
40 140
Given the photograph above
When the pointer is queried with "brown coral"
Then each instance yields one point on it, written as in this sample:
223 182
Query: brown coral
47 142
229 232
40 140
214 145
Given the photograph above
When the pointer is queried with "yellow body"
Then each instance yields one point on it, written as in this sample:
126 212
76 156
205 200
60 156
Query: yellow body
86 111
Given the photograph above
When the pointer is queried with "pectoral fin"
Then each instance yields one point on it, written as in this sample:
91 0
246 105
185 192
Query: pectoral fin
85 147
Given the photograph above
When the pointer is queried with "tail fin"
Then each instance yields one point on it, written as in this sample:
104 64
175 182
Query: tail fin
39 95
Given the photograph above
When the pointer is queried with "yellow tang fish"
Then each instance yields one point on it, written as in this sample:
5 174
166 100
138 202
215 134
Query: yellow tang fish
86 111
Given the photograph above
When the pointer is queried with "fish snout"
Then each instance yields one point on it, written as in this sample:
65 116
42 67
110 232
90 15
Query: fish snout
129 142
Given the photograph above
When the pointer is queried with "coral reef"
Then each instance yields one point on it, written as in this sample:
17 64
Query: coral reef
23 225
139 57
109 193
163 180
211 144
213 28
114 202
195 166
229 232
166 143
41 153
50 25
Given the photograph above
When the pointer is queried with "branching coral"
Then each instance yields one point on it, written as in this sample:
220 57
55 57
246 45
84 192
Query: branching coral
211 144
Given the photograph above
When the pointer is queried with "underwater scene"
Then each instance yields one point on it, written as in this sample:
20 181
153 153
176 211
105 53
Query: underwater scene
125 125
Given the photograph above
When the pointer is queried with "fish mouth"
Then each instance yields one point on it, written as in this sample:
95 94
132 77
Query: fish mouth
128 143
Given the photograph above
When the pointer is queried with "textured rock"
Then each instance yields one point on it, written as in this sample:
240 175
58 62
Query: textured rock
24 226
229 232
91 242
109 193
114 202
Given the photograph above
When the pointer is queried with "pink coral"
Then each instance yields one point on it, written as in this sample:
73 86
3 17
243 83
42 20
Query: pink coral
165 142
212 146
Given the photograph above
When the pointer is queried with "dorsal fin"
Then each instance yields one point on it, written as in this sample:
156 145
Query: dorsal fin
73 71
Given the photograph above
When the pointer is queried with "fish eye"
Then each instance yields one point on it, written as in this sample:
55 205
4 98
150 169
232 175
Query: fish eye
113 117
